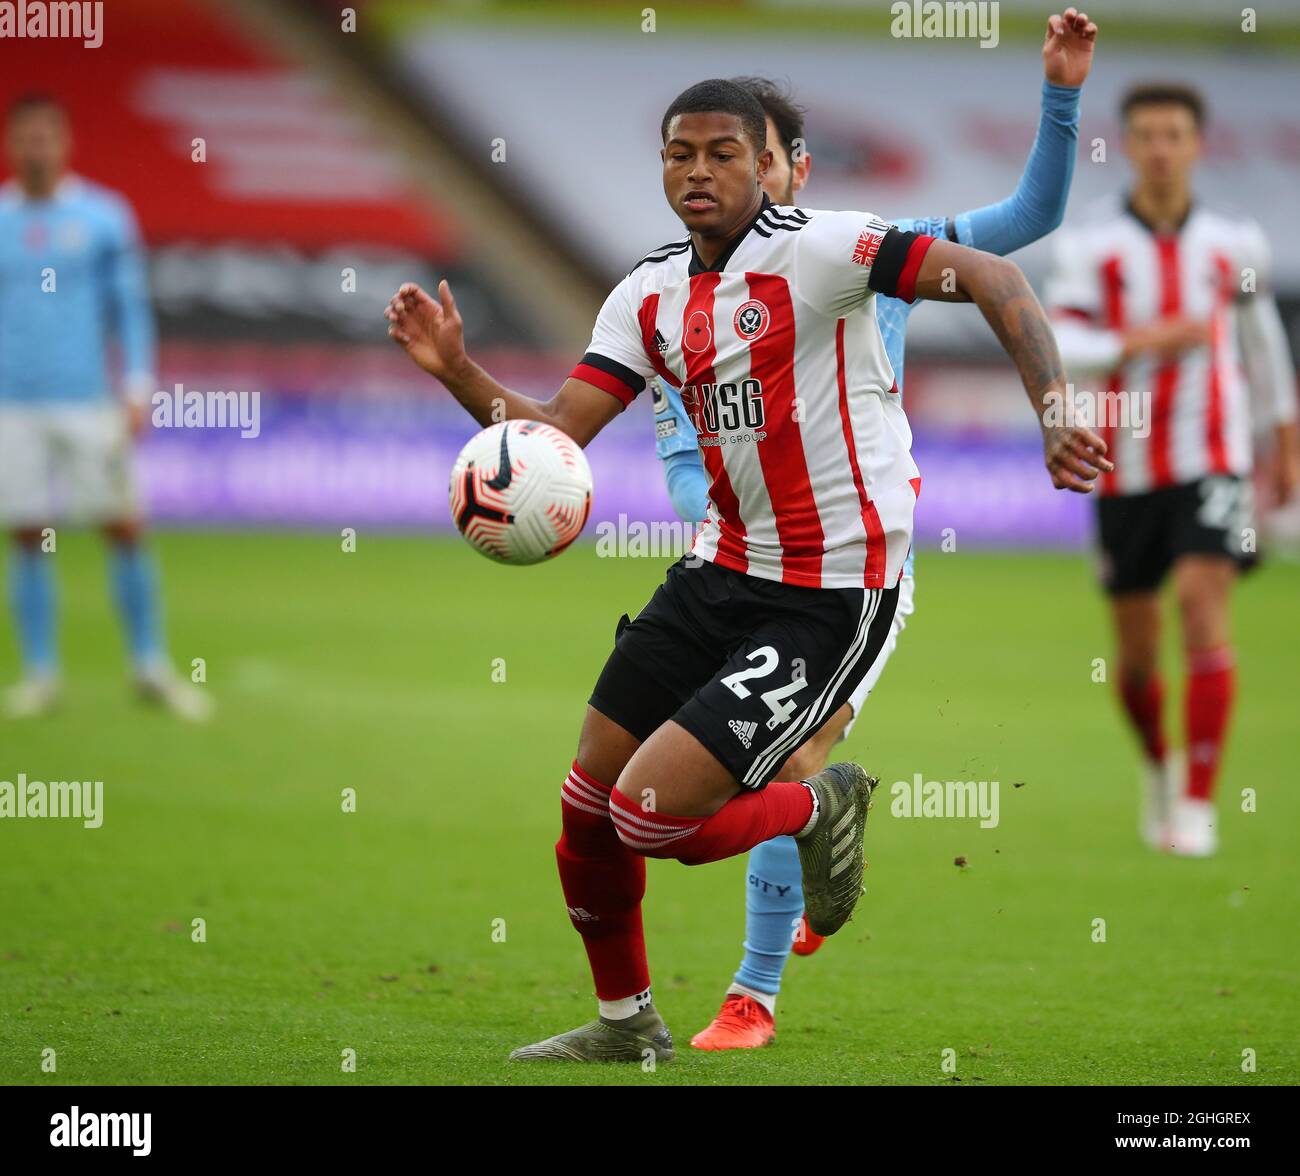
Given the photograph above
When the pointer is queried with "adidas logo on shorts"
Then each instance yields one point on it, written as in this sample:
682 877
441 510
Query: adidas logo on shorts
743 731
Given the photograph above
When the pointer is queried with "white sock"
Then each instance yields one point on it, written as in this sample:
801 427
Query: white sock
817 808
766 999
629 1006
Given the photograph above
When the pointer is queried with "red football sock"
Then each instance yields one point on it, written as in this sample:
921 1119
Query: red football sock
740 824
1143 700
603 883
1211 683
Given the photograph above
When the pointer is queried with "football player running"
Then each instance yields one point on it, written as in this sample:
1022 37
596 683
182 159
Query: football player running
773 898
765 317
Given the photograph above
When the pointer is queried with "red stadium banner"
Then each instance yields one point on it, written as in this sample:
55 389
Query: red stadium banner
213 137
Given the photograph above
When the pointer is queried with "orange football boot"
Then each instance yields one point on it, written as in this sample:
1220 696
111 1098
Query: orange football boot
806 941
741 1023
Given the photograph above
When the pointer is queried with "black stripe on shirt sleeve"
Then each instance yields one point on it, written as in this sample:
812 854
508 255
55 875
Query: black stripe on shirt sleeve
610 367
890 259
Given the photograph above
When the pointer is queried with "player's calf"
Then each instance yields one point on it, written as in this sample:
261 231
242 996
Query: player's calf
33 597
603 886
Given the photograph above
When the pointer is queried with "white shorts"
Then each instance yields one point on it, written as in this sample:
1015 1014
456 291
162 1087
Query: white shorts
906 588
65 463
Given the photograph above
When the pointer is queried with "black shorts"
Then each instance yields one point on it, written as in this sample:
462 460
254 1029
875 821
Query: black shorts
1141 535
752 668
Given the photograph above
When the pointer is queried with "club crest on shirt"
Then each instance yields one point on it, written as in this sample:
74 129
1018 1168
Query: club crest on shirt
699 334
751 320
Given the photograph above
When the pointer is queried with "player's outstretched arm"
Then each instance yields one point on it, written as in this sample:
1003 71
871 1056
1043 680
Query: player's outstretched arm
1075 455
431 332
1037 206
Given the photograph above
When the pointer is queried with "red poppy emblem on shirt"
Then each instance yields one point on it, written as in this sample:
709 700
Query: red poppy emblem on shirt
699 332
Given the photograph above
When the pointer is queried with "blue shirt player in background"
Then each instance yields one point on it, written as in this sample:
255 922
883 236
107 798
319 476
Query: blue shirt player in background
774 901
72 279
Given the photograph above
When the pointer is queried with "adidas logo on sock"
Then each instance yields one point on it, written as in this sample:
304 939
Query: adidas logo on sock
743 731
581 915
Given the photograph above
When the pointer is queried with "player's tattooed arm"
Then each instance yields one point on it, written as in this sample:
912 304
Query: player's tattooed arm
431 331
1073 453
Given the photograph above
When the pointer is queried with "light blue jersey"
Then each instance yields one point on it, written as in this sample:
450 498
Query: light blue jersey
1035 208
71 278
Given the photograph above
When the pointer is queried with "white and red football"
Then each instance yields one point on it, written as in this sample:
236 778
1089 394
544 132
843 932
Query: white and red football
521 491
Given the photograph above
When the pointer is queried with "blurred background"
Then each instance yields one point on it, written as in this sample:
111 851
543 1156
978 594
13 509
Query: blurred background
370 146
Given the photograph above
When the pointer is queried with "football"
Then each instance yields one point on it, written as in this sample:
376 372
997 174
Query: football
520 491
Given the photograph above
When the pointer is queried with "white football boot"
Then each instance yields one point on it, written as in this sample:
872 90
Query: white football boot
1162 784
1195 828
158 683
32 697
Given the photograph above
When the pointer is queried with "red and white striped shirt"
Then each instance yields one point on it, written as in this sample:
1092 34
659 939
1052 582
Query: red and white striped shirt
784 374
1166 422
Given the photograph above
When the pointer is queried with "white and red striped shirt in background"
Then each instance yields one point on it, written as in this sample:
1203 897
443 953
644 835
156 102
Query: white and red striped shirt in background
784 374
1190 417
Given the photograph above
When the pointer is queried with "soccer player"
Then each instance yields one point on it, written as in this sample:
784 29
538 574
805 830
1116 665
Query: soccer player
773 899
1165 319
765 317
71 278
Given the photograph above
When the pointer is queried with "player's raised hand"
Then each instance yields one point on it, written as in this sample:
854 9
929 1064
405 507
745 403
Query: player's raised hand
1067 48
428 329
1074 456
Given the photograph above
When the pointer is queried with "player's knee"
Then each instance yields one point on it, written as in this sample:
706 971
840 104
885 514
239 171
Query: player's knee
1204 618
28 538
1136 674
1139 657
806 762
814 755
604 747
124 532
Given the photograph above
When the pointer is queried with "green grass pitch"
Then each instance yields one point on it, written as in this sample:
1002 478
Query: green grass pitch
426 931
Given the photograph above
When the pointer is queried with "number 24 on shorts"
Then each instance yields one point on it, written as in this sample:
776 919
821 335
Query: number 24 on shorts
776 698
